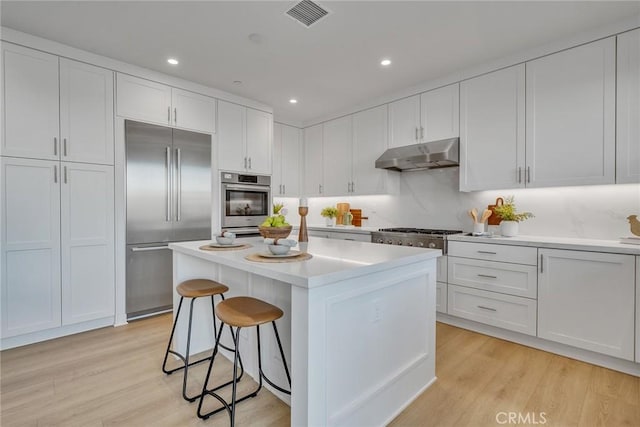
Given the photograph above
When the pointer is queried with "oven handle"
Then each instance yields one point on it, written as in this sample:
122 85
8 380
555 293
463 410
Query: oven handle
247 187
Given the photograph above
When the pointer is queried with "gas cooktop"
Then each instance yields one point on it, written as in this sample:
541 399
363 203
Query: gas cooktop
420 231
417 237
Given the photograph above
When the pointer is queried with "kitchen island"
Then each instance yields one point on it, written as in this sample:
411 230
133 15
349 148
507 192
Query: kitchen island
358 329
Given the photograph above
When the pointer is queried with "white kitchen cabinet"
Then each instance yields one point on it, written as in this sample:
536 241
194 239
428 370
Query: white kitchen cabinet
86 113
30 104
369 142
87 230
628 108
503 277
30 221
441 297
287 149
148 101
638 309
313 161
570 116
586 300
192 111
404 121
440 113
337 156
244 139
341 235
492 130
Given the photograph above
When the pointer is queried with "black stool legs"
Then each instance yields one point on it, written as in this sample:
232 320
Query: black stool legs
185 359
234 400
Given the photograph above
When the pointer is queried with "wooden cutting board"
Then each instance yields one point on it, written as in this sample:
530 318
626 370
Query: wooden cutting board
342 208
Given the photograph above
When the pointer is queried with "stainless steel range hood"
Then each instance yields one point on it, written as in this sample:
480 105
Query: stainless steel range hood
427 155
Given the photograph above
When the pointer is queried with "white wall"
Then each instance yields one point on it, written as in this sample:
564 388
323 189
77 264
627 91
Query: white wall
430 199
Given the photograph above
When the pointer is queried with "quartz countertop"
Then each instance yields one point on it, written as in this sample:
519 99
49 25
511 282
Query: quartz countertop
592 245
333 260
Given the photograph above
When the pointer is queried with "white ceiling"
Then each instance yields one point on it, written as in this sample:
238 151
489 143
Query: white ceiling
329 67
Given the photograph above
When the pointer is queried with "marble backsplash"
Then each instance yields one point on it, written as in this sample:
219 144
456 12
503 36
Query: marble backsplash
430 199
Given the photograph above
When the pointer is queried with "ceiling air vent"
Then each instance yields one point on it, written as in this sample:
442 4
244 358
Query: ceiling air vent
307 12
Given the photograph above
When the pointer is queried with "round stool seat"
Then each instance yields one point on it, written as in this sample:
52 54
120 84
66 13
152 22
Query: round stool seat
246 311
200 288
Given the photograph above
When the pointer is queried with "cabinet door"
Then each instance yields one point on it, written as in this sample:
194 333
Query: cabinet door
143 100
30 103
440 113
586 300
231 137
628 109
259 141
492 130
30 246
571 116
87 229
193 111
290 161
369 142
276 166
404 121
638 309
312 171
337 157
86 113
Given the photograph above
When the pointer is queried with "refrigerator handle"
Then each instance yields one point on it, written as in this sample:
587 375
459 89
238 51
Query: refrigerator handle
149 248
168 165
179 183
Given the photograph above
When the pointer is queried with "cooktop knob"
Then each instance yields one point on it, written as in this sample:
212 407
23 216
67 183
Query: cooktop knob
421 244
389 242
400 243
409 244
432 245
380 241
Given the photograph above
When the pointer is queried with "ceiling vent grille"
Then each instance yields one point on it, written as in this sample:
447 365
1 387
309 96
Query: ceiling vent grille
307 12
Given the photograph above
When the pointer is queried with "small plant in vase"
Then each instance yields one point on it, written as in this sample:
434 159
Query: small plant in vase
329 213
510 217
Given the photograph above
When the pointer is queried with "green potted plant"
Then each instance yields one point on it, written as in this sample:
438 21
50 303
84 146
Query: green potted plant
329 213
510 217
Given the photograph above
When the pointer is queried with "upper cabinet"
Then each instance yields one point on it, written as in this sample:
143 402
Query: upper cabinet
628 108
313 161
492 130
56 109
287 149
337 157
570 116
245 139
430 116
152 102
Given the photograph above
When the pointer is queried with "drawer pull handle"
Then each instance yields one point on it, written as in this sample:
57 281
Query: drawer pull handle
486 275
487 308
487 252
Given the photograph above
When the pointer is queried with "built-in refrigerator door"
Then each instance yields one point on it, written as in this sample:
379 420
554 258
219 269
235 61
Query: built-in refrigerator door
149 279
149 183
192 186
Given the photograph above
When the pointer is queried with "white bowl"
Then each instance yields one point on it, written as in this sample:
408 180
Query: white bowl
224 240
279 249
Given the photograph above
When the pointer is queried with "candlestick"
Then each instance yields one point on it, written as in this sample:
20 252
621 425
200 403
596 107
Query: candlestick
303 202
302 233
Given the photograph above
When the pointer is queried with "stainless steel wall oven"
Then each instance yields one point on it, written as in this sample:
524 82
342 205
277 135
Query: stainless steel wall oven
246 201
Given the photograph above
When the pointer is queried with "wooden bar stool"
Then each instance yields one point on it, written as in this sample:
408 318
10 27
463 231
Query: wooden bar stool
243 312
197 288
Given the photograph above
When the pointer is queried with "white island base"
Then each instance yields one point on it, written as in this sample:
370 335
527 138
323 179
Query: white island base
358 329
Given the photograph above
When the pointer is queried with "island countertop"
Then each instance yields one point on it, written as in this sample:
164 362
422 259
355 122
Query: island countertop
333 260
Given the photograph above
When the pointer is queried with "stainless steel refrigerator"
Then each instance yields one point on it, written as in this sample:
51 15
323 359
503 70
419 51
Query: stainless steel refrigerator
168 200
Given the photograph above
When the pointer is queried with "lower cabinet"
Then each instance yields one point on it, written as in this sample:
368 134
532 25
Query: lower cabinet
586 300
57 244
441 297
504 311
358 237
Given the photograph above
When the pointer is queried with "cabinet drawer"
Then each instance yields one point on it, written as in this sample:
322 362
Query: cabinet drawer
442 269
441 297
512 279
504 311
493 252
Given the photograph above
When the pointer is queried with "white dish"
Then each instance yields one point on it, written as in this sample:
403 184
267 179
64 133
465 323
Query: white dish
232 245
290 254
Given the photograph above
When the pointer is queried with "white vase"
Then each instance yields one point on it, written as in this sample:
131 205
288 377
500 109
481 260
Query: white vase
509 228
329 221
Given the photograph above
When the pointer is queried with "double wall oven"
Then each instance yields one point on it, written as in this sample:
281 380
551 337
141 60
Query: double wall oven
246 201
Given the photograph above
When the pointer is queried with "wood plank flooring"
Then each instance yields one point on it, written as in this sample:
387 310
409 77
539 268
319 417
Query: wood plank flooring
112 377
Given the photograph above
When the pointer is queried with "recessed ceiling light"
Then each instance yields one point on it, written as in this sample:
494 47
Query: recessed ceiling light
293 101
385 62
172 61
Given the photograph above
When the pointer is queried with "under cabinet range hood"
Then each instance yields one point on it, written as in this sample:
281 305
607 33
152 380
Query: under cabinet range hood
426 155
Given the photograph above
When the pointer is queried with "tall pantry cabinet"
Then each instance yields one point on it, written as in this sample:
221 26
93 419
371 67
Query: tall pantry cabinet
57 194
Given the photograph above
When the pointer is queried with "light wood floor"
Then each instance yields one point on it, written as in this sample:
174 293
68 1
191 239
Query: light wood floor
112 376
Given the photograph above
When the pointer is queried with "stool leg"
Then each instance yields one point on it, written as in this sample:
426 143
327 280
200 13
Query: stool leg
205 391
284 361
186 363
235 381
173 330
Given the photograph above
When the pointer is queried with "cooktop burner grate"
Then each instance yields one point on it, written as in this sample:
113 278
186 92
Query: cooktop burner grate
434 232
